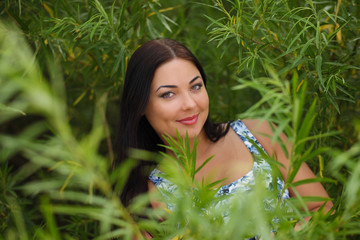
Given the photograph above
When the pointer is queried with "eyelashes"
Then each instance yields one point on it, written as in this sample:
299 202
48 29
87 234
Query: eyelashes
167 95
170 94
197 86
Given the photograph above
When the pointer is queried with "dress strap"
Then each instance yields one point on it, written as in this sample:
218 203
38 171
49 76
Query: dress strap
244 133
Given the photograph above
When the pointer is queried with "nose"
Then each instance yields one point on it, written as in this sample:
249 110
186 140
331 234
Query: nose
188 102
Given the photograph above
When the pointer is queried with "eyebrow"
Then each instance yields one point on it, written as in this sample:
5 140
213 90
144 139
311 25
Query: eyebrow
174 86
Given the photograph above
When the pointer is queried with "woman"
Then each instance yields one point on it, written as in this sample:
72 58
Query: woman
165 92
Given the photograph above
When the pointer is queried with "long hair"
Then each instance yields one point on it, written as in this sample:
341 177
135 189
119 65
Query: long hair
134 130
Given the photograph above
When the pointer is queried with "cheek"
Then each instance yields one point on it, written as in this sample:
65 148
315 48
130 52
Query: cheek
162 111
205 101
159 114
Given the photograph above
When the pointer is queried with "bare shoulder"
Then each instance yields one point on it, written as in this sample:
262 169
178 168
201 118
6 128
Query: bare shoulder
263 131
258 126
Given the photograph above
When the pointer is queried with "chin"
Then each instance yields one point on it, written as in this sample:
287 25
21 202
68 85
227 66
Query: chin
191 133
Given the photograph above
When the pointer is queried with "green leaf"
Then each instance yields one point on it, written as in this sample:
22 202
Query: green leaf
203 164
317 37
313 180
318 64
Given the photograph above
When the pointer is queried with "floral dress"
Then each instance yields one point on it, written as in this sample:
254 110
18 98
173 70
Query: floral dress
261 166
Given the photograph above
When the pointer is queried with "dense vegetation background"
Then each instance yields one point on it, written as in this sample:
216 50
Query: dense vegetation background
62 65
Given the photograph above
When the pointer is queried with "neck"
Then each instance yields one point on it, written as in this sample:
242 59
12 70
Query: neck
203 146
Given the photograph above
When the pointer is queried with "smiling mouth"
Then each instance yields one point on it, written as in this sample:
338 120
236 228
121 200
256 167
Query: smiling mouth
189 120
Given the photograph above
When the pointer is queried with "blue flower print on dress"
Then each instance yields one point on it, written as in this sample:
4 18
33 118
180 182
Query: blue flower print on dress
243 185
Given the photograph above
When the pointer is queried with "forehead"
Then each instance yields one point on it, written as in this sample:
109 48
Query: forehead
175 72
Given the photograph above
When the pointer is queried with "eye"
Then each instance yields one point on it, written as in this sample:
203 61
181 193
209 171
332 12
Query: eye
197 86
167 95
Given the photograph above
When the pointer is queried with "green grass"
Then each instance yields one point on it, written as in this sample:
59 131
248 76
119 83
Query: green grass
62 65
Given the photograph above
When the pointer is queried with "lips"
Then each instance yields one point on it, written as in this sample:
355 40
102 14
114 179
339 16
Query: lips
189 120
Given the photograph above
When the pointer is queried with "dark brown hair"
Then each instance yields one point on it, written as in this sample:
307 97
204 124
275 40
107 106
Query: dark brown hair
134 129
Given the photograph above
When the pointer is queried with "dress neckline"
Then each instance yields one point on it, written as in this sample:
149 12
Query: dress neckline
242 138
244 134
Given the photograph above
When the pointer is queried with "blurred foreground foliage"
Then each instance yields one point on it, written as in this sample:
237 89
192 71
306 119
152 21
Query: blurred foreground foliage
62 65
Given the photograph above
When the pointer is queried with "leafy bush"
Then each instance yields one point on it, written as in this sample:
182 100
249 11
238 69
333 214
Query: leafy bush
293 63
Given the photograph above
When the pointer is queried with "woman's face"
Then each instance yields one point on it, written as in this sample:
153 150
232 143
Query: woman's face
178 100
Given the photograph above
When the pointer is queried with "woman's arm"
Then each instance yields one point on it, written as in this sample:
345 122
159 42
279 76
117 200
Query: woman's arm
263 132
155 203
